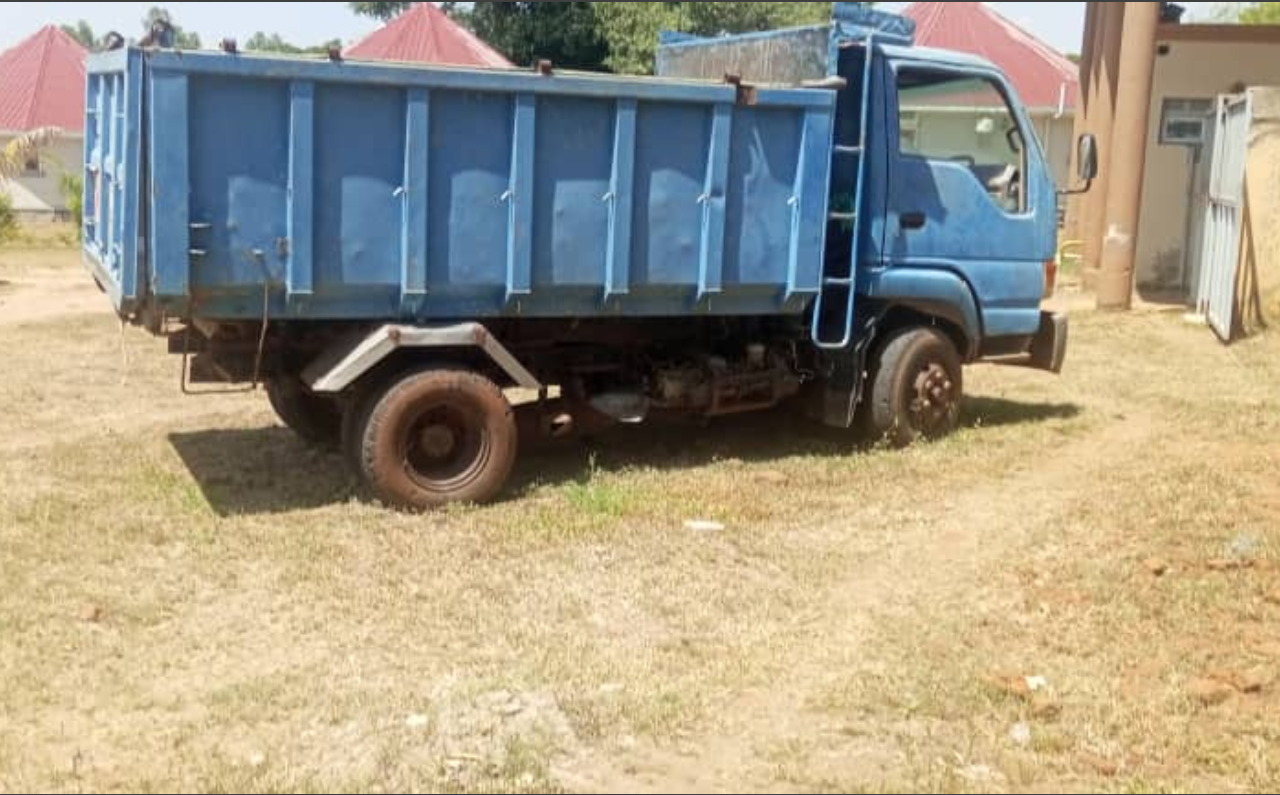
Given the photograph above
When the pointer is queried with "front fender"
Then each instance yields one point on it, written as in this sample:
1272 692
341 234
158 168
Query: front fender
937 292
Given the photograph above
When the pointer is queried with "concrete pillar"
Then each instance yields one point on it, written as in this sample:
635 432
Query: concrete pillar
1103 78
1128 155
1075 203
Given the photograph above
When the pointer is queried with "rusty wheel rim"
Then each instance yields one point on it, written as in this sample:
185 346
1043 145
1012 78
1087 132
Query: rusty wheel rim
932 399
444 445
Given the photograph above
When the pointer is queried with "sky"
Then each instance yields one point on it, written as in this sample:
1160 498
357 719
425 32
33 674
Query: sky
1059 24
300 23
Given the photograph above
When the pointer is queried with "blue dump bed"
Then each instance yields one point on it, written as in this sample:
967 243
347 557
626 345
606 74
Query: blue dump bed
344 190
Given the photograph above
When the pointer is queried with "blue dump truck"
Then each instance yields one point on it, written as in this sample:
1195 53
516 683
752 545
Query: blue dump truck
803 216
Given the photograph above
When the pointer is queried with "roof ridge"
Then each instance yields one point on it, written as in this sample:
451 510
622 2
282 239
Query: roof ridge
27 100
1056 59
478 46
43 82
42 71
424 33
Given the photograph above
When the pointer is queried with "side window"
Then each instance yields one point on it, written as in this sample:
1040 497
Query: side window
963 119
31 166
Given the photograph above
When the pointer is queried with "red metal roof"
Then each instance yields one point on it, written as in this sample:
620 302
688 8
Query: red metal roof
42 82
1036 70
425 34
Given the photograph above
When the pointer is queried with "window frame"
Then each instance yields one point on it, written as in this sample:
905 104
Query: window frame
32 172
992 79
1170 112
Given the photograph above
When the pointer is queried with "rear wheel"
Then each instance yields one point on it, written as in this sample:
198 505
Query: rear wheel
915 388
315 418
433 437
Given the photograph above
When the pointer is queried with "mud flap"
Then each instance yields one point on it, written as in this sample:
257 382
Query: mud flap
833 401
1049 347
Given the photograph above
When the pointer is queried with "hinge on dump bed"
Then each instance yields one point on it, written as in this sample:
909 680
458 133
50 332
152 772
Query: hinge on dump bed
256 381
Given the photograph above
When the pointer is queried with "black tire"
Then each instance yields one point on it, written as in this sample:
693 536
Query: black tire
433 437
354 418
915 388
315 418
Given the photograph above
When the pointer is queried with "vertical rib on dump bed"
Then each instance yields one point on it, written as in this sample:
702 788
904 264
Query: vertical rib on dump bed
360 191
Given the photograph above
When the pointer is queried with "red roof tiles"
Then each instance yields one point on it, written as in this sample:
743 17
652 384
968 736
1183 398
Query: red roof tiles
425 34
42 83
1037 71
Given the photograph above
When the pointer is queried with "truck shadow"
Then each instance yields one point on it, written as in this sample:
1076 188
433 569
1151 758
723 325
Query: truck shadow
251 471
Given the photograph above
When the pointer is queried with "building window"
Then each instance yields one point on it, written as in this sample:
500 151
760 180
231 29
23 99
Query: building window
1184 122
31 166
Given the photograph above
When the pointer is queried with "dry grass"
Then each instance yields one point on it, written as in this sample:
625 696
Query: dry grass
194 599
39 240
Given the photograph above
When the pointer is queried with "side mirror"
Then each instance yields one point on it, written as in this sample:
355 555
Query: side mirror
1086 164
1087 157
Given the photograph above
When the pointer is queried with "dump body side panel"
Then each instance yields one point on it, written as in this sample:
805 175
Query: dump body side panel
357 191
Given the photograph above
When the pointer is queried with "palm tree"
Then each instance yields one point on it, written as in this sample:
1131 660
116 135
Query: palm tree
19 151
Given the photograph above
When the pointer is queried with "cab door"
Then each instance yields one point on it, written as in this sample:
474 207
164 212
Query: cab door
968 190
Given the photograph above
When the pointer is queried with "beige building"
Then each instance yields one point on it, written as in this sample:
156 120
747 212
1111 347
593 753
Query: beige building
1258 280
36 194
1194 64
42 85
1055 130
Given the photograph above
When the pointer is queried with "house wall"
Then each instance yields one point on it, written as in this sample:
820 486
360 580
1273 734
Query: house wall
34 196
1055 136
1259 282
1187 70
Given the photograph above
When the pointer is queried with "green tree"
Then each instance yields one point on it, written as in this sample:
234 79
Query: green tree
82 32
631 29
262 42
272 42
460 12
565 33
383 11
8 219
323 47
618 36
13 157
182 40
72 188
1260 14
15 154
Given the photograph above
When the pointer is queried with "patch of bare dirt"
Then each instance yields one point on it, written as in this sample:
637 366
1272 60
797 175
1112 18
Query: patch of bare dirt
43 295
978 529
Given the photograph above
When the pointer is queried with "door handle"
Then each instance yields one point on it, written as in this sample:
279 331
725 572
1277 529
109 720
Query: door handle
909 221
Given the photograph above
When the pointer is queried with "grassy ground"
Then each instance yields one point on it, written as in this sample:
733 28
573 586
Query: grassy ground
194 599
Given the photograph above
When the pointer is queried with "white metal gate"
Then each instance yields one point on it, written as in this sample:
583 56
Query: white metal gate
1219 254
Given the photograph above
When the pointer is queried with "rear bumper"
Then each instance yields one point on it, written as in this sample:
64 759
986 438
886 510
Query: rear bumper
1049 346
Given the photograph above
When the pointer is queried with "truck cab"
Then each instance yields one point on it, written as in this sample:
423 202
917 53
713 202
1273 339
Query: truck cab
944 209
967 199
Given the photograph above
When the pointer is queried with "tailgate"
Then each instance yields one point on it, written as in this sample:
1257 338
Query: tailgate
113 247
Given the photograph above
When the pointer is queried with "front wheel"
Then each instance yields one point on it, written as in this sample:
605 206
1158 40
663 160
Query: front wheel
915 388
434 437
